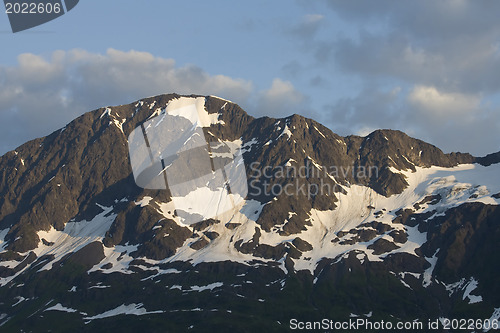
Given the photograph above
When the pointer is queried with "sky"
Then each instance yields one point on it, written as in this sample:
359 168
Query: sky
428 68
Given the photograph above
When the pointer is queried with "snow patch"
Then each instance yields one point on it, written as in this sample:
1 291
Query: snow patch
19 300
74 236
468 286
210 287
2 317
222 99
167 210
144 201
161 272
428 272
99 286
181 107
494 316
471 286
118 258
222 248
285 131
60 307
119 124
319 131
3 233
107 112
249 145
233 147
130 309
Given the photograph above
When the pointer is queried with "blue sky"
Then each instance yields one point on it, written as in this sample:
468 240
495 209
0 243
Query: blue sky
428 68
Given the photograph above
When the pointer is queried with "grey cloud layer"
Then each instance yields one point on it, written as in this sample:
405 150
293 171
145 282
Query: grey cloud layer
429 68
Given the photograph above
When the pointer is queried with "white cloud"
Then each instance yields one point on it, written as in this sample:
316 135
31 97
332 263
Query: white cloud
308 26
364 131
280 100
41 94
449 120
281 90
313 18
431 100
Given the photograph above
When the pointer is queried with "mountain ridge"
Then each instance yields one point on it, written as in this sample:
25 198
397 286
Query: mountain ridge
94 124
389 215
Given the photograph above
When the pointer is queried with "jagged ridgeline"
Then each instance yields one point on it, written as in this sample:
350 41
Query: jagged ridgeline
383 227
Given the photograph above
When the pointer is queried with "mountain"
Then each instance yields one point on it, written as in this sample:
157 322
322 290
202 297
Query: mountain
382 227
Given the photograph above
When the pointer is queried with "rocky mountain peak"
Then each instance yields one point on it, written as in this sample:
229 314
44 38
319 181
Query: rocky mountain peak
320 208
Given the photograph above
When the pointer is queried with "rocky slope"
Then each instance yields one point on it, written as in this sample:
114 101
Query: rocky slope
332 227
